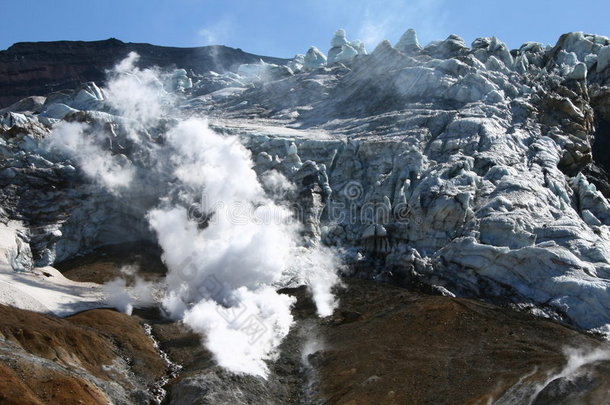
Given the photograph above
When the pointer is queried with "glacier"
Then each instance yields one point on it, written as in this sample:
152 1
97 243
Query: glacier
466 169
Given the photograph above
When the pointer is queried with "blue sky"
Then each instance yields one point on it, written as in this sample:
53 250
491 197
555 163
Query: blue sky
284 28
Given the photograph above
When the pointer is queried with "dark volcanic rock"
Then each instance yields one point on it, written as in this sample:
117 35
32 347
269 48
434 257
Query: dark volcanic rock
39 68
386 345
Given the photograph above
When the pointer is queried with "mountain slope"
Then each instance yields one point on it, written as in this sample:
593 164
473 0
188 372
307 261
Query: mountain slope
462 171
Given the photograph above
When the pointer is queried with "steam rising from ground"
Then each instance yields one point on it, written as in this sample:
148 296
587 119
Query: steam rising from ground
221 268
124 298
577 359
228 245
580 370
86 147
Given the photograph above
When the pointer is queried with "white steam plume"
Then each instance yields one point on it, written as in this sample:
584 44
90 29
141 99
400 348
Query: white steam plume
224 264
227 243
123 297
79 142
248 243
576 360
276 183
137 94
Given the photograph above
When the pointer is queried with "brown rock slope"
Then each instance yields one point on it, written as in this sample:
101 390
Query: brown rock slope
104 264
389 346
95 357
384 345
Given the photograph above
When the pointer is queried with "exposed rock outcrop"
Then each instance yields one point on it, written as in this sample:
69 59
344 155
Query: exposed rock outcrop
97 357
387 346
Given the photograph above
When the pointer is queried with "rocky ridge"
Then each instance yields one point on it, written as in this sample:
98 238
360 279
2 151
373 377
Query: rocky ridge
39 68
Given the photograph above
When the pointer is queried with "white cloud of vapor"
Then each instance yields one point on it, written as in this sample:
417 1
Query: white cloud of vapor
249 243
84 145
224 264
243 336
276 183
577 359
578 362
123 297
137 94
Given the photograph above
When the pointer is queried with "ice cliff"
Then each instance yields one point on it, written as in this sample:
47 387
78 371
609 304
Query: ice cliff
471 170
